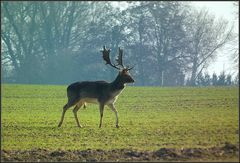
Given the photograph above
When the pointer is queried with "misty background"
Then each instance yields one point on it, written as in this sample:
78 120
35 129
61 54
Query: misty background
170 43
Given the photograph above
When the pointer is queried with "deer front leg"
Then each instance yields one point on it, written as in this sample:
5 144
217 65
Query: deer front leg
116 113
101 108
77 107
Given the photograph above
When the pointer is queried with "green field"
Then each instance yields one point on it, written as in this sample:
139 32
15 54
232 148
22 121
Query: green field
149 117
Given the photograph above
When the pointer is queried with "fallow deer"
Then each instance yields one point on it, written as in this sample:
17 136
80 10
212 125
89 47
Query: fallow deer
98 92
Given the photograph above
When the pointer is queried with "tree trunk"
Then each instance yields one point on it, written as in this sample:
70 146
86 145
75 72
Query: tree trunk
194 73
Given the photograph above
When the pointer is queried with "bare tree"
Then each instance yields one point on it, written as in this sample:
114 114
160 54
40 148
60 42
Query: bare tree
158 38
39 37
206 36
234 45
19 36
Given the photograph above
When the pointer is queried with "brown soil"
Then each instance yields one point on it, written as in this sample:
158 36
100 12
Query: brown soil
225 153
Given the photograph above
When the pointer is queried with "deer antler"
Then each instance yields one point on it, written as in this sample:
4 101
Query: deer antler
107 58
118 60
129 68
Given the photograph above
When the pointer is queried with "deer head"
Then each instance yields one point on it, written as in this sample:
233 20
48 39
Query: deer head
124 74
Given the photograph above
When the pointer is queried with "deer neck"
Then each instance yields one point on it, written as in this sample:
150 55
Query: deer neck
117 84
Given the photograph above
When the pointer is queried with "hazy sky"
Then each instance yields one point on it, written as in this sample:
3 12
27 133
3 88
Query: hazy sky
226 10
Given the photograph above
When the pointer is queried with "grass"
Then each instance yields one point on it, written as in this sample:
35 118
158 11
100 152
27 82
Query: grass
149 117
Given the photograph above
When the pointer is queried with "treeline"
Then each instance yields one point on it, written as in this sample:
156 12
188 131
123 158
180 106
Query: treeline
60 42
222 79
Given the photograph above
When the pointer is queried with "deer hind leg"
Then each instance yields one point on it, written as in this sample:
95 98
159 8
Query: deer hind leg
65 107
101 108
77 107
116 113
